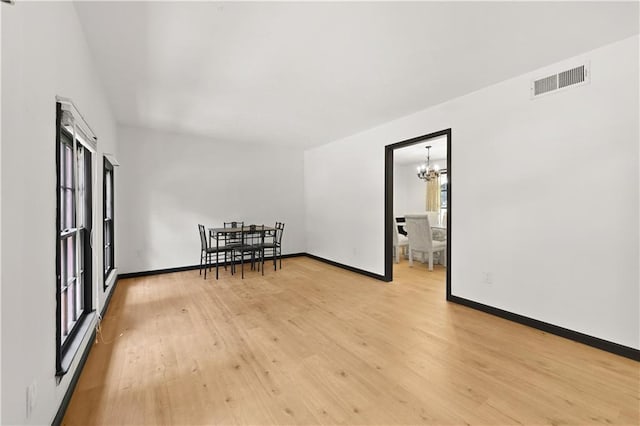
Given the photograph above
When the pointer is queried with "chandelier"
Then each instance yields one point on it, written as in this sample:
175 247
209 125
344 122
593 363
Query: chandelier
426 172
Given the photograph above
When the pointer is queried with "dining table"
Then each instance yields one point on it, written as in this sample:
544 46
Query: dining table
217 233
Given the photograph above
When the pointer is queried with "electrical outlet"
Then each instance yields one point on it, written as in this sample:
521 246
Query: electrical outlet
32 394
487 278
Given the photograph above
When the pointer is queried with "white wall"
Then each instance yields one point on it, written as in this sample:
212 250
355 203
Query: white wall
43 55
534 182
171 182
409 191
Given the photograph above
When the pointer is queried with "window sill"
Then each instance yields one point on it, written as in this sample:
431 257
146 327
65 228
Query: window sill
111 278
72 349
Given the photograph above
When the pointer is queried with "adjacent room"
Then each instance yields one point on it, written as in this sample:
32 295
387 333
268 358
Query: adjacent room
420 189
355 213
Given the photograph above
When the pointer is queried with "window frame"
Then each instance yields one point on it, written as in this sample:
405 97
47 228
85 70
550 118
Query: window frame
108 220
81 221
444 204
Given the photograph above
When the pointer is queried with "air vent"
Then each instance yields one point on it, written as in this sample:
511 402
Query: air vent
571 77
565 79
545 85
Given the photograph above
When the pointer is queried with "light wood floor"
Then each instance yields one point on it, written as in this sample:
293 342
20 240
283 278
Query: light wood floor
314 344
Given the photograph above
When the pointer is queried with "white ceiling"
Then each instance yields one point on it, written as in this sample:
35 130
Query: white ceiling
417 153
306 73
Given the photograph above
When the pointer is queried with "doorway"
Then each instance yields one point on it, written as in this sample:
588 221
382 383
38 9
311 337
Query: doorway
389 200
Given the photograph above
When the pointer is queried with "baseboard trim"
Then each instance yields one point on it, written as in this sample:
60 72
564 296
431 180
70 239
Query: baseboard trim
347 267
284 256
107 301
576 336
157 272
185 268
57 420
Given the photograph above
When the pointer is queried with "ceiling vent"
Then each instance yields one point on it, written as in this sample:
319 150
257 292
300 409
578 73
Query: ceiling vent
563 80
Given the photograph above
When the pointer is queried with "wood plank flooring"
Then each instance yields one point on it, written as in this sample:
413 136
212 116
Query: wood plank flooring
315 344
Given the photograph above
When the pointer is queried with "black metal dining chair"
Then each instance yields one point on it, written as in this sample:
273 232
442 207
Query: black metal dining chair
232 239
249 246
207 252
273 247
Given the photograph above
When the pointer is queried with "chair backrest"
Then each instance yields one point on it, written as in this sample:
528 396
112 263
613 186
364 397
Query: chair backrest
203 237
258 234
434 217
400 225
233 237
397 234
252 235
419 232
279 231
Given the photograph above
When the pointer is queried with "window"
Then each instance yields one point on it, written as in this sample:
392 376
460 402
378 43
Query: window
107 232
444 186
74 224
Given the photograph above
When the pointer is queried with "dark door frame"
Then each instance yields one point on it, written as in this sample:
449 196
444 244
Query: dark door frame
388 201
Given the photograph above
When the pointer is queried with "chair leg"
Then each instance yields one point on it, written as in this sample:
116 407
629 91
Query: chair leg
233 263
396 252
200 262
274 254
431 261
444 258
410 257
280 256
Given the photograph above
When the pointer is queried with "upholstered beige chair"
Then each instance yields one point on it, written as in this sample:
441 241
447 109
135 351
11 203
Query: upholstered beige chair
421 239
